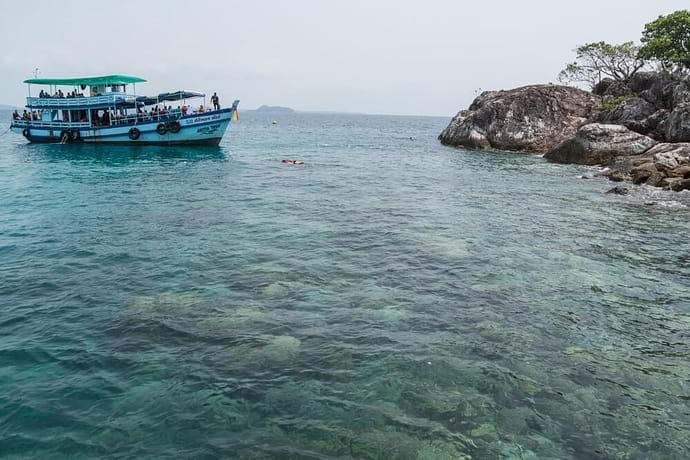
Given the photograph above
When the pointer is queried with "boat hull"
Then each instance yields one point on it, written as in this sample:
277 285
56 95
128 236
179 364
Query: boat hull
197 129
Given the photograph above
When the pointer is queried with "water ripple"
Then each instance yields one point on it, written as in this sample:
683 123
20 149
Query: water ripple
393 298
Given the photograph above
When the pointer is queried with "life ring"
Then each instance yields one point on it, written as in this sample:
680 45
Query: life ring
174 127
134 134
74 135
161 129
26 133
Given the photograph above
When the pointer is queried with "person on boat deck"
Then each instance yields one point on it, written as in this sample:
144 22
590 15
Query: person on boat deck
201 109
15 115
184 110
42 94
216 103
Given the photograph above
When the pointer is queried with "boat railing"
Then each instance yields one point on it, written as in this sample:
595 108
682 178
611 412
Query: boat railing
50 124
146 118
78 102
115 120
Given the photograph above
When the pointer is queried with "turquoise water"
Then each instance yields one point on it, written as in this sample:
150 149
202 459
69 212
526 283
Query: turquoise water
391 298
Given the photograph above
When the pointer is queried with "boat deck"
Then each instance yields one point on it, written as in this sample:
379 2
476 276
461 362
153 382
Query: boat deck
116 121
76 103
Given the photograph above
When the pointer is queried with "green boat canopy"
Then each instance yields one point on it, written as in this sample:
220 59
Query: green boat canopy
88 81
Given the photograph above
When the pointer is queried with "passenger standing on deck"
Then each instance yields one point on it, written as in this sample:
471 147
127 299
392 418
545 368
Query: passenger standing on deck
216 103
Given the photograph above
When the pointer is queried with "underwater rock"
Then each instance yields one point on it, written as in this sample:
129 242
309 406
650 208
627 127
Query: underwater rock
440 450
282 348
486 431
277 289
244 315
165 302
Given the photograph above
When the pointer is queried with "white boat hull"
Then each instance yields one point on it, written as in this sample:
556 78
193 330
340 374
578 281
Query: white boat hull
203 128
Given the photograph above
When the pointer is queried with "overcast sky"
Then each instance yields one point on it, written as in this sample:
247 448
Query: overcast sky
413 57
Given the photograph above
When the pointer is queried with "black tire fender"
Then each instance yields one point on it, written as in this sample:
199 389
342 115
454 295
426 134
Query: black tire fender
26 133
134 133
174 126
161 129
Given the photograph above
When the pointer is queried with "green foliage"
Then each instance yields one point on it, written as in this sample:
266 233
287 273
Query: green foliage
611 104
667 40
595 61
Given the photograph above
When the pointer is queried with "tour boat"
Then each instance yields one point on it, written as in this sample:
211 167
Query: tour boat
110 114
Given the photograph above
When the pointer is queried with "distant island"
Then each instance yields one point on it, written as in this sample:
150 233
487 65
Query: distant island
274 109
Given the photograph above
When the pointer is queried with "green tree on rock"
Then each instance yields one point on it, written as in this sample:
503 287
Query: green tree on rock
595 61
667 40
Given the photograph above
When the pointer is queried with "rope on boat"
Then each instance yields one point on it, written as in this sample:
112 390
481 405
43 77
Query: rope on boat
6 131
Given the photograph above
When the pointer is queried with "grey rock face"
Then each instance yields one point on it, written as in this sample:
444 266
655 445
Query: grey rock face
642 81
631 113
597 144
678 124
664 165
528 119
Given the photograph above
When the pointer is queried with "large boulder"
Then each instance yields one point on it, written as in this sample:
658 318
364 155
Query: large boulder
681 93
670 156
646 173
678 123
529 119
616 89
601 87
597 144
664 165
660 88
642 81
631 113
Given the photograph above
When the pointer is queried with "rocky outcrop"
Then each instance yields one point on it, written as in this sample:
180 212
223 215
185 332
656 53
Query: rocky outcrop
678 124
529 119
639 128
634 113
596 144
664 165
656 104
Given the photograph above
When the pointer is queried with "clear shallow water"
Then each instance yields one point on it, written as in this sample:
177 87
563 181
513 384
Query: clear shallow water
392 298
